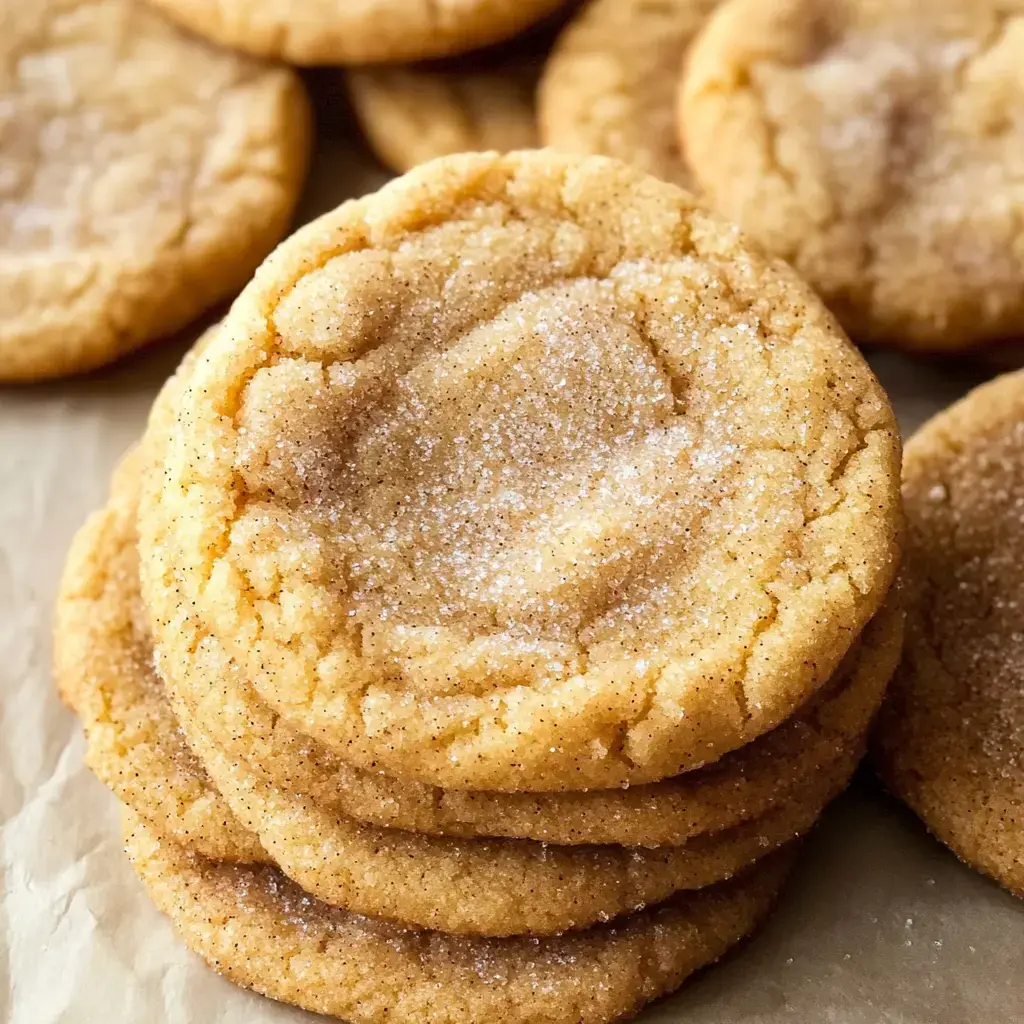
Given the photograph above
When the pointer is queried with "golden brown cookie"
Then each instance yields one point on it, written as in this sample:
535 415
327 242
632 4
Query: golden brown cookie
144 175
414 113
610 85
524 473
950 741
104 668
371 31
262 932
875 145
471 886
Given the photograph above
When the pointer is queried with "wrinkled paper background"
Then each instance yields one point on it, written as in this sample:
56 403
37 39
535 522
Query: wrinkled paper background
881 924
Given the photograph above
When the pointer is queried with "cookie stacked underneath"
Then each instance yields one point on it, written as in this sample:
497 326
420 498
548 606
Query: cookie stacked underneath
497 595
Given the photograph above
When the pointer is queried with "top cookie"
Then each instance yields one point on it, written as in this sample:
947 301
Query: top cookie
876 145
611 84
370 31
144 175
526 473
950 741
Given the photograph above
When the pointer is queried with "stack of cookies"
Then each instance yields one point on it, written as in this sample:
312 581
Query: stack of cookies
497 595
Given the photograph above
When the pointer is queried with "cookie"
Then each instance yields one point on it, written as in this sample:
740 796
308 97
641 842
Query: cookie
260 931
103 665
143 176
411 114
610 85
876 147
950 741
463 886
372 31
524 473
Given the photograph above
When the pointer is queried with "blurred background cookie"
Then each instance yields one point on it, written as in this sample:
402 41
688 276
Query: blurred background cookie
369 31
610 86
144 174
877 147
414 113
950 740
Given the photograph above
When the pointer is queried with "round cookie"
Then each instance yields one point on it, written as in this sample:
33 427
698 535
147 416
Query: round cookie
262 932
570 413
461 886
415 113
876 147
610 85
103 664
950 740
144 174
368 32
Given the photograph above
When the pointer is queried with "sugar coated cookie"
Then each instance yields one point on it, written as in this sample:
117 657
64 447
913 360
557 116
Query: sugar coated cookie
950 740
341 32
143 176
262 932
525 473
610 86
876 146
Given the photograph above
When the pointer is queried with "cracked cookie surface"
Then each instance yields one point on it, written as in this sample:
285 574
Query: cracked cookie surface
368 32
610 87
875 146
525 473
262 932
950 739
143 176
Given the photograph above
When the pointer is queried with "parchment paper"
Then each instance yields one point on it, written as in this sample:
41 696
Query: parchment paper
879 925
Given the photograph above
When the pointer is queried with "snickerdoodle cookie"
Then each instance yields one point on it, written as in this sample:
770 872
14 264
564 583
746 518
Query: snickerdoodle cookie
262 932
144 174
611 84
876 145
950 740
525 473
370 31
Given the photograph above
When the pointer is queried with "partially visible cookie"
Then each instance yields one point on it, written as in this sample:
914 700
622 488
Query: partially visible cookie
367 32
261 931
144 174
610 86
950 740
876 147
525 473
414 113
104 668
